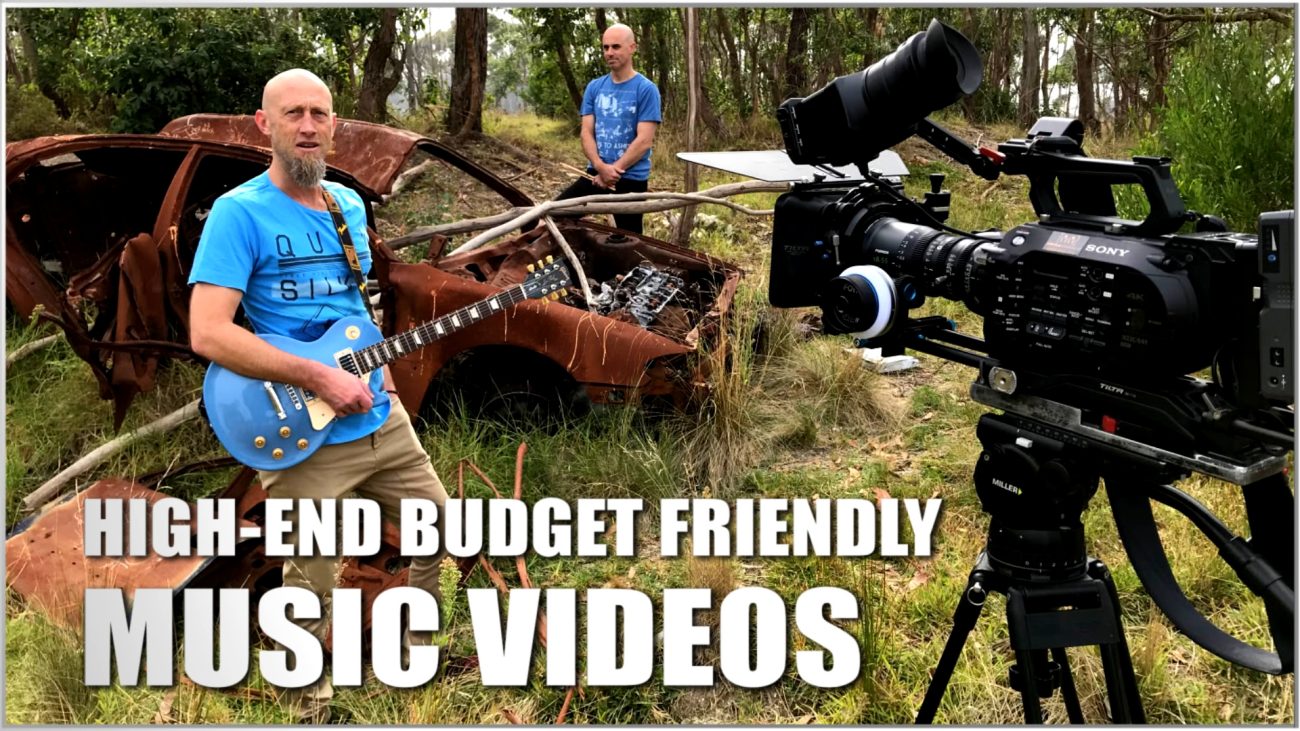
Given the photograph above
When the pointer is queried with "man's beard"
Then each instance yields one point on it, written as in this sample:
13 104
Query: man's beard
307 171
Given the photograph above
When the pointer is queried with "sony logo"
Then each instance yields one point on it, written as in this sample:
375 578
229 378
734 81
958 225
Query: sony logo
1112 389
1007 486
1106 250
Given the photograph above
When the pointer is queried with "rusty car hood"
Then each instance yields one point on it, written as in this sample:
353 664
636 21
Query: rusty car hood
372 153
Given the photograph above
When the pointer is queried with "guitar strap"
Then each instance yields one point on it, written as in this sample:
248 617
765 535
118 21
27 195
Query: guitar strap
345 238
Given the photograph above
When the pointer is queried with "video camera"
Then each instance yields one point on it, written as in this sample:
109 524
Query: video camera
1093 324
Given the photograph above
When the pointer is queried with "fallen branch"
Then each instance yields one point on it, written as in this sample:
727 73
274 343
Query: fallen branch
42 494
613 203
420 235
577 170
587 296
517 176
405 178
30 348
626 203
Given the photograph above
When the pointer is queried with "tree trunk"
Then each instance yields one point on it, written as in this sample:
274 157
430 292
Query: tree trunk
1007 23
1160 53
601 24
561 48
682 236
749 41
1028 110
43 83
795 68
733 63
969 28
376 82
1047 60
469 72
1084 69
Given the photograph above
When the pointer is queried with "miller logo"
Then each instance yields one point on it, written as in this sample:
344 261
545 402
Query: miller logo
997 482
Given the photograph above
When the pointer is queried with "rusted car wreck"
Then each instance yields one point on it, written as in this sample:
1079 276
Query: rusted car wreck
101 230
100 233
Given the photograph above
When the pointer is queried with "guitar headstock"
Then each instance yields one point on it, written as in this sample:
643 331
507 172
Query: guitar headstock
547 279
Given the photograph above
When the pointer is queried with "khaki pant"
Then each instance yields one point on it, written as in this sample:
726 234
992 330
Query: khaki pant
387 466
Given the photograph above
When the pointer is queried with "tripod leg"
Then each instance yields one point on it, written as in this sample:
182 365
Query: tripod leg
1116 664
1029 686
1068 692
968 612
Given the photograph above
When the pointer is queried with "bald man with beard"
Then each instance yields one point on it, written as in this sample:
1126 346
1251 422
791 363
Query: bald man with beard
620 115
271 246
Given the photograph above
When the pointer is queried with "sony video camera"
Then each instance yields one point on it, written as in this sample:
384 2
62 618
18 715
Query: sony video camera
1083 307
1134 350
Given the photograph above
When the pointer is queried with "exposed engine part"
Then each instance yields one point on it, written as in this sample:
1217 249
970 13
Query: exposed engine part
644 292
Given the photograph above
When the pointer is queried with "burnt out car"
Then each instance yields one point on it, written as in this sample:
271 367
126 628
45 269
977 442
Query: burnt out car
101 230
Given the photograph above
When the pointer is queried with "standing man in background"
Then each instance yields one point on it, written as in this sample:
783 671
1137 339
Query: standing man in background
620 113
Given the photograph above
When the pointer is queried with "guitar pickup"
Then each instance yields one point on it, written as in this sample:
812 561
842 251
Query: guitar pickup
275 400
294 397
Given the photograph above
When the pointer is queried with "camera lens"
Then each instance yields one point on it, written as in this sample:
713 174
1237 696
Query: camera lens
939 261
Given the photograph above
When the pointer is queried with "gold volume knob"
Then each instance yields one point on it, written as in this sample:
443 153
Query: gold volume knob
259 442
277 453
284 432
302 444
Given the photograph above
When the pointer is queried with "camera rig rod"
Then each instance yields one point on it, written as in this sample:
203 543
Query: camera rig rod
983 161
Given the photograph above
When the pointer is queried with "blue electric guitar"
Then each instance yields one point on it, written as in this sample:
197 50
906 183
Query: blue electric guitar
274 426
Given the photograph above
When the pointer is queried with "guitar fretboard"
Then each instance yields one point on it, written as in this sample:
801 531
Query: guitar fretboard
376 356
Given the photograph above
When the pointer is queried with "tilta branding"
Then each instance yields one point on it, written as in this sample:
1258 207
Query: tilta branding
998 482
1106 250
1112 389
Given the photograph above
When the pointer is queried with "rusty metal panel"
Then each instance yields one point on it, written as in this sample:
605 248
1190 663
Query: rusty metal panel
46 562
47 566
373 153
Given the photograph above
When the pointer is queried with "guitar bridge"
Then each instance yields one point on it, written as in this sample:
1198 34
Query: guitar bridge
275 400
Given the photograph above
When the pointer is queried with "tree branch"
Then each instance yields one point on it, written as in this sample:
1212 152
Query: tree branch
628 205
42 494
615 203
1222 16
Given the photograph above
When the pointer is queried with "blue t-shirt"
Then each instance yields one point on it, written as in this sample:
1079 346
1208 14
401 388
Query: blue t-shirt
618 109
287 260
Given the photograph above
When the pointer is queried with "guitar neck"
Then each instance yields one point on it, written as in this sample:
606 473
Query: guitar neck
374 357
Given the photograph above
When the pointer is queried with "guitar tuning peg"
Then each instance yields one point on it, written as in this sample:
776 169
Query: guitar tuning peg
540 264
555 296
530 268
550 259
564 292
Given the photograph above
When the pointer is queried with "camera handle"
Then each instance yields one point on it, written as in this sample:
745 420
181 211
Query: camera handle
1052 158
1268 572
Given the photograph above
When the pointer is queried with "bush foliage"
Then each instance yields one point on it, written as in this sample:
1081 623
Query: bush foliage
1228 124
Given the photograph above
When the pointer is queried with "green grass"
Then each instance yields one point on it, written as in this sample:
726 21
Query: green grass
788 417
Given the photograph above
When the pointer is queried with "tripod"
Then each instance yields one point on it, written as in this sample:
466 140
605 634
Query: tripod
1035 487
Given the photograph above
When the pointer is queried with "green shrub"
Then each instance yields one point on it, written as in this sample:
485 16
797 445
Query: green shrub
1228 123
28 114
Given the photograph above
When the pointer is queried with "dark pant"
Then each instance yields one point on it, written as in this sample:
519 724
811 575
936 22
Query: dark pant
626 221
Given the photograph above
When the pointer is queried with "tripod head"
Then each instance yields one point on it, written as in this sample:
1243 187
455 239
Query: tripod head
1035 490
